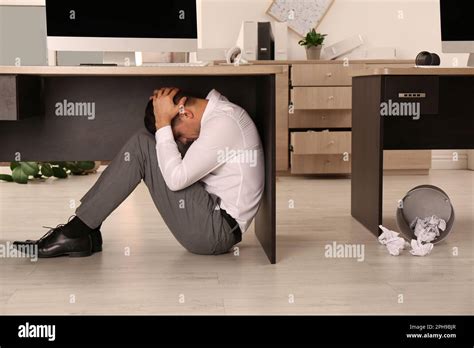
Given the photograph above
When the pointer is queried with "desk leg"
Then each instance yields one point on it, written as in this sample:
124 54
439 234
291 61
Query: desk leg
265 221
367 153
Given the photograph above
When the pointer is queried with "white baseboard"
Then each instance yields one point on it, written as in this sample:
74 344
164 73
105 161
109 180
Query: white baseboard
449 159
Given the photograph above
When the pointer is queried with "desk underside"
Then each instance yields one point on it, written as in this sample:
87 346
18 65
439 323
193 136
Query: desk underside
120 103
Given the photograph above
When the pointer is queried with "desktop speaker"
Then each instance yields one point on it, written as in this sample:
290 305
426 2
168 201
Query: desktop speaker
427 58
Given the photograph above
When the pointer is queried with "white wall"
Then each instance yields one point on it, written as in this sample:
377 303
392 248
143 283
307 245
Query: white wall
377 20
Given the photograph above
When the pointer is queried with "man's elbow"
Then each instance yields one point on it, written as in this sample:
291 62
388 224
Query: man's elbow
176 179
174 186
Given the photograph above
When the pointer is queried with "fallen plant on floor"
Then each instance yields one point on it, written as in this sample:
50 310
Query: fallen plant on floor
22 172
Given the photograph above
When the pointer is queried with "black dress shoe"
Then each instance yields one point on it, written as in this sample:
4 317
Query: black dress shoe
55 243
95 235
96 240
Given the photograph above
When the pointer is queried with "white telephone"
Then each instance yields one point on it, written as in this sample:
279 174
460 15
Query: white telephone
234 57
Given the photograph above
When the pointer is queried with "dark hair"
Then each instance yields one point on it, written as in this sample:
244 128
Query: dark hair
150 115
150 118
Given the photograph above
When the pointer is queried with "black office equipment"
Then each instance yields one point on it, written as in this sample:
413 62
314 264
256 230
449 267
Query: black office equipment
266 42
427 58
457 31
145 19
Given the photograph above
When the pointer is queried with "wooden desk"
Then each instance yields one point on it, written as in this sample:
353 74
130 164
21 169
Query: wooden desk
316 96
446 122
120 94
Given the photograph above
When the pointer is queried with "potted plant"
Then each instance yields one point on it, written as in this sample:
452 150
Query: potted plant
313 42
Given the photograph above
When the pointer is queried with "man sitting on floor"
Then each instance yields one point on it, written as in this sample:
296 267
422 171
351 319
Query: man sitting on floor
203 166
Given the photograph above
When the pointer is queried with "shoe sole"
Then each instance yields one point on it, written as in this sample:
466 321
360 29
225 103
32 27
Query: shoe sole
79 254
71 254
96 248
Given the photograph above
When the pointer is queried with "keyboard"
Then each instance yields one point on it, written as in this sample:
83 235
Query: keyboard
175 65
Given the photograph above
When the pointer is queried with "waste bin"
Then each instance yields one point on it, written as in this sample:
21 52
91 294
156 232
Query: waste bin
424 201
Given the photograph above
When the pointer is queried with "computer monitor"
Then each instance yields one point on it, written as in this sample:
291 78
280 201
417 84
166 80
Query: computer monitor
457 29
112 26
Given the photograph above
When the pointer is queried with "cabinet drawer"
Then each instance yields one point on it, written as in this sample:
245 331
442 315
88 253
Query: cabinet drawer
409 89
321 119
320 164
310 143
323 74
314 98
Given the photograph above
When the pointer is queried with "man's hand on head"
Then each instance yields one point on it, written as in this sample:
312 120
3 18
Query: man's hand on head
164 107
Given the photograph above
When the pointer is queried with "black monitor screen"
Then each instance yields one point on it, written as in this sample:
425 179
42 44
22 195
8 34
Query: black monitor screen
457 21
137 19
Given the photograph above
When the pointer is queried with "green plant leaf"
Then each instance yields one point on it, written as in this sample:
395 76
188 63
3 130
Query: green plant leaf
71 166
6 177
19 176
78 172
29 168
58 163
46 170
312 38
13 165
59 172
86 165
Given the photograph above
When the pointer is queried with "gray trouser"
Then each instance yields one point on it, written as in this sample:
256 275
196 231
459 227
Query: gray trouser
190 214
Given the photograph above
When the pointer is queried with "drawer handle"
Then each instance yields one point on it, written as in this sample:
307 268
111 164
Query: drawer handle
332 142
323 117
331 97
329 74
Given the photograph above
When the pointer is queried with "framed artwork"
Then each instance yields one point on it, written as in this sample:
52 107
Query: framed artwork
301 15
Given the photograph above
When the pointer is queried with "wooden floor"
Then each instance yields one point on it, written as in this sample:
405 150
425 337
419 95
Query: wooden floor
160 277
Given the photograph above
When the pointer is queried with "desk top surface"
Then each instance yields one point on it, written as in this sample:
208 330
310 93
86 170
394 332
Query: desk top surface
328 62
413 71
142 71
